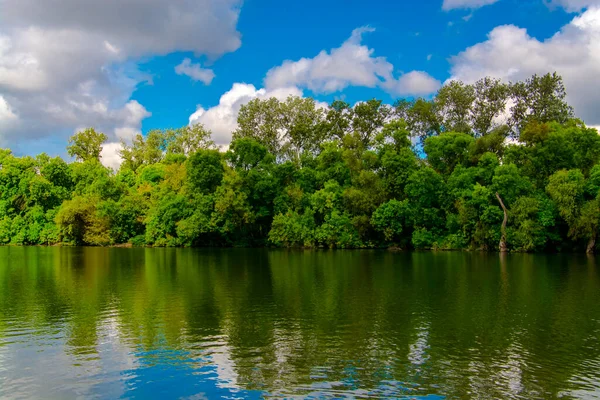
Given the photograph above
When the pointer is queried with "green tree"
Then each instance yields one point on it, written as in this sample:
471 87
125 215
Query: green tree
490 99
454 103
205 170
293 229
540 99
188 140
567 189
86 145
79 223
261 120
446 151
368 118
302 121
421 117
144 150
300 174
392 219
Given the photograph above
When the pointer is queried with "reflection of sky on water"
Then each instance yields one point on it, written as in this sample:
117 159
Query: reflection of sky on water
176 377
32 362
112 370
418 350
31 367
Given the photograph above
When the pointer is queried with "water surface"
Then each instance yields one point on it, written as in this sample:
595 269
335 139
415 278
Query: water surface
249 323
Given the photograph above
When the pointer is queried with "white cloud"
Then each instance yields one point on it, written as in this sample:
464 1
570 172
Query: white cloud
128 121
126 133
415 83
468 4
111 48
511 54
7 119
222 118
110 155
351 64
574 5
195 71
19 69
135 27
71 63
6 113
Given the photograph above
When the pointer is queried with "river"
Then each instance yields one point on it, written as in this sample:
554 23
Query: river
252 323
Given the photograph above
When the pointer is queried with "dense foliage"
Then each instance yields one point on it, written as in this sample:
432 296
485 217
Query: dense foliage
420 174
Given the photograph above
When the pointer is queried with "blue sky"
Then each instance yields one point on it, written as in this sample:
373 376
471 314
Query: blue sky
127 66
406 33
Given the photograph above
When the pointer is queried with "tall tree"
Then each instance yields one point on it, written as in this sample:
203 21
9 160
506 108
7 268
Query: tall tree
302 122
188 139
261 120
86 145
369 117
454 103
540 99
144 150
491 96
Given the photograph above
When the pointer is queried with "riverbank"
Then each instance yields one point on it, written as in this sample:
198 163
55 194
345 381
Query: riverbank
391 249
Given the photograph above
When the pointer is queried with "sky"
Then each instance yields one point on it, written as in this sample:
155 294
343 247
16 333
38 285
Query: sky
128 66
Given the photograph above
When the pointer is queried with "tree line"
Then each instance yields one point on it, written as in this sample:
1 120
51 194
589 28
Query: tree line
476 167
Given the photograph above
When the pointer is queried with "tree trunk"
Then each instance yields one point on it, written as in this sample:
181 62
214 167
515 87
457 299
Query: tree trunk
502 246
591 245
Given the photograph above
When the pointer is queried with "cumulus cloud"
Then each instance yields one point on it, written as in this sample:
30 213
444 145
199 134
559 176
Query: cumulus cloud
511 54
466 4
72 63
351 64
414 83
110 155
195 71
222 118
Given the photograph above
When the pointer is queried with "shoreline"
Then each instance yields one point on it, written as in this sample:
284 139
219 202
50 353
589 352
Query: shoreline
391 249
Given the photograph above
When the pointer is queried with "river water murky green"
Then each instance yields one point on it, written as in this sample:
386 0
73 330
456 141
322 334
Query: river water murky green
250 323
